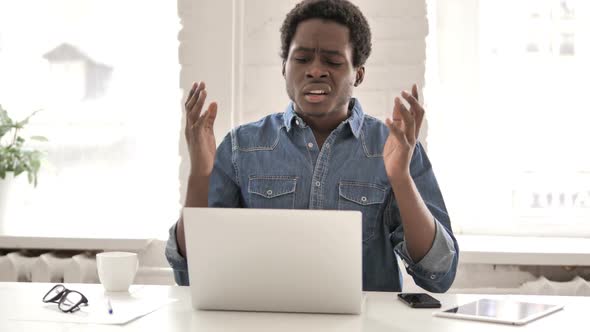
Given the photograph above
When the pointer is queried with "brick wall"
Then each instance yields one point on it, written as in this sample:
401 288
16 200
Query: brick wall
234 46
399 29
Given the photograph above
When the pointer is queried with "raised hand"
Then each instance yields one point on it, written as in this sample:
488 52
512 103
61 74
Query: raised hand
404 128
199 131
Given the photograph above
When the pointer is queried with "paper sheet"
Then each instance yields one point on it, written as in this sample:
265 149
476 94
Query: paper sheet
126 307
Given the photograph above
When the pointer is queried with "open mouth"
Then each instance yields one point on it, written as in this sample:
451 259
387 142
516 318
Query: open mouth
315 97
316 93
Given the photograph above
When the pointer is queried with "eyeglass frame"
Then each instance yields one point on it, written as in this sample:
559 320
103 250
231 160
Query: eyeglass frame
61 297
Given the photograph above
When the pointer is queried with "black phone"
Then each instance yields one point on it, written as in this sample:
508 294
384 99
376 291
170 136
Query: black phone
419 300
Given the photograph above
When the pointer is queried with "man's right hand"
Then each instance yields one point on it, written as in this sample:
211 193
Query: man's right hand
200 139
199 131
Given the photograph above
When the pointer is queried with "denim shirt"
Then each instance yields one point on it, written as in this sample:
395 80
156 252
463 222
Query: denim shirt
276 163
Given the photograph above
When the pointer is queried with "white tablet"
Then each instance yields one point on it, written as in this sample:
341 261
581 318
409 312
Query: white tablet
500 311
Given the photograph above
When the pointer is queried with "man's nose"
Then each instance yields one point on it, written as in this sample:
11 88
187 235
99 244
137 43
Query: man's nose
316 70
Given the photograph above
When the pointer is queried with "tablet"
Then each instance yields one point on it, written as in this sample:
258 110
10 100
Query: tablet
500 311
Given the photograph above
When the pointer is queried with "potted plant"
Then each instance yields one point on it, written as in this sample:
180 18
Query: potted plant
15 158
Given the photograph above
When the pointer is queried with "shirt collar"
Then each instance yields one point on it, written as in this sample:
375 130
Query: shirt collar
289 116
355 120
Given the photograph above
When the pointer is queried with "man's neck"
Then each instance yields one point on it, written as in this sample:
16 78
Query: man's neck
322 126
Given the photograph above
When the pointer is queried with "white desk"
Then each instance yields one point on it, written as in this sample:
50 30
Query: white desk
383 312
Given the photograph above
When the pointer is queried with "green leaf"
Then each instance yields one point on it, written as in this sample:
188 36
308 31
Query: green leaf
5 122
4 118
39 138
4 129
23 122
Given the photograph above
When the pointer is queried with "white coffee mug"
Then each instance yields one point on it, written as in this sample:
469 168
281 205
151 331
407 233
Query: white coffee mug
116 270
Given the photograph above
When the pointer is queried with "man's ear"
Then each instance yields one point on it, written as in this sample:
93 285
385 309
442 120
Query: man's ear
360 75
283 71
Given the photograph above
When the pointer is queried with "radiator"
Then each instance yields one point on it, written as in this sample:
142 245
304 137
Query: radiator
52 266
541 286
67 267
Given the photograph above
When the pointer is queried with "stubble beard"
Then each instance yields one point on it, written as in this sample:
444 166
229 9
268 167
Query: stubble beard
342 102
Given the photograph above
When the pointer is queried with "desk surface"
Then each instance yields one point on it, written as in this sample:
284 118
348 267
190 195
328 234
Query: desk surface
383 313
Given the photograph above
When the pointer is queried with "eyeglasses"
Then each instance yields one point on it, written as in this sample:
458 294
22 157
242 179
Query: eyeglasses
67 300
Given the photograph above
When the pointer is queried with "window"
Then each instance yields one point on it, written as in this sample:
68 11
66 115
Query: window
508 114
105 75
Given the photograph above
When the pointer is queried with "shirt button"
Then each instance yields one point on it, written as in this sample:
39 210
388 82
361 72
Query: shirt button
269 192
327 145
432 276
310 145
297 122
363 199
317 183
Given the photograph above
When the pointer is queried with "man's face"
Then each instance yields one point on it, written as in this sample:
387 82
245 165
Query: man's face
318 71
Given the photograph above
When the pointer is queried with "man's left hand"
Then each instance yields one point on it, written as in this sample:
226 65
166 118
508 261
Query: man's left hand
403 135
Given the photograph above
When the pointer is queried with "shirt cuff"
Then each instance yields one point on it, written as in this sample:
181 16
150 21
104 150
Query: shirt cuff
175 259
437 262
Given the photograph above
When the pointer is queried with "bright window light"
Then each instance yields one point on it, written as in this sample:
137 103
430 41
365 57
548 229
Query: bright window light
105 75
508 114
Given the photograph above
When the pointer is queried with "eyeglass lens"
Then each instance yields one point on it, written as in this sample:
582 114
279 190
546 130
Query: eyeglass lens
54 294
70 300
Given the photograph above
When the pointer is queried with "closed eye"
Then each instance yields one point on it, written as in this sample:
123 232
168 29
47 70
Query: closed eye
333 63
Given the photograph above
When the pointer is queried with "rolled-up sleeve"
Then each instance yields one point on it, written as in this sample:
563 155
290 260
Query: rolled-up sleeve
437 262
435 272
175 259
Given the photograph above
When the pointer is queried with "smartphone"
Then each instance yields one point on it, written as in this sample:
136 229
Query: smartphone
419 300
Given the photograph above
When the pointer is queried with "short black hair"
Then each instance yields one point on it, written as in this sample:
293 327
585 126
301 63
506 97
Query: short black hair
339 11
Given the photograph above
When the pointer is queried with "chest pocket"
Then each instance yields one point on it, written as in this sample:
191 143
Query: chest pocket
272 192
365 197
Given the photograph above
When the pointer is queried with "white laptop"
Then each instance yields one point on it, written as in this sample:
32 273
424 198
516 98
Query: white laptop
274 260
